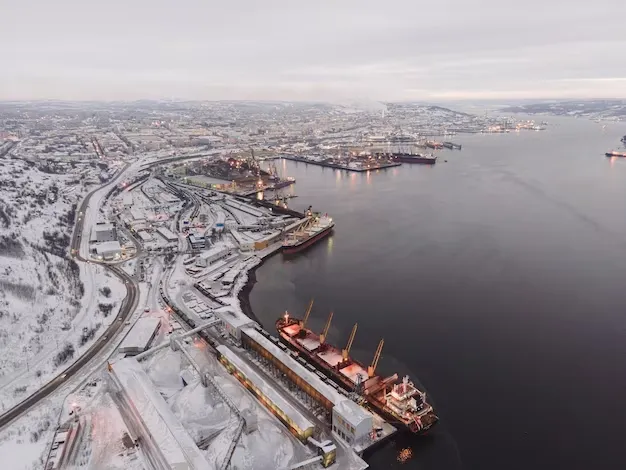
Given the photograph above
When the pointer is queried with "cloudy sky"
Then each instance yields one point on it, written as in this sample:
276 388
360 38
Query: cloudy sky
322 50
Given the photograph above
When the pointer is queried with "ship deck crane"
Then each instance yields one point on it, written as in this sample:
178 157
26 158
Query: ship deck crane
346 352
306 315
326 327
371 370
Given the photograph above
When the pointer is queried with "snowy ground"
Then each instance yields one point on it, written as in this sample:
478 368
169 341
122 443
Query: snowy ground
46 299
24 444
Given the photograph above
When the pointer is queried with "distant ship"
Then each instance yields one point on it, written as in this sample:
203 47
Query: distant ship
434 144
415 158
400 402
278 184
613 153
316 228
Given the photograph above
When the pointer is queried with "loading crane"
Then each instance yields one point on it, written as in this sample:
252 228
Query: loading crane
371 370
346 352
306 315
326 327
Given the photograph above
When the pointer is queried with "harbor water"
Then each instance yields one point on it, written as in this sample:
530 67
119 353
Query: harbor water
497 279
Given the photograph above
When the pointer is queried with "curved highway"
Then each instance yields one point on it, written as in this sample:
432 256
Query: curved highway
128 306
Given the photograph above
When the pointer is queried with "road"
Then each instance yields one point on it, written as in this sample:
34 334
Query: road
128 306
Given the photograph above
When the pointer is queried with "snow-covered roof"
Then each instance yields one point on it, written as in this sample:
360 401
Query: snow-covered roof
167 233
107 247
312 379
140 335
352 413
215 251
233 318
167 432
267 389
106 227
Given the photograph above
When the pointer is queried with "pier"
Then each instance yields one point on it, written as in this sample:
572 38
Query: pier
340 166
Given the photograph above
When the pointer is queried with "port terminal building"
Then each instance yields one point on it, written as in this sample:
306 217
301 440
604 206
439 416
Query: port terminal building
351 422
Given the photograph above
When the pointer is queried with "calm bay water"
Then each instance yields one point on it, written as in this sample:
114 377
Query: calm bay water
497 279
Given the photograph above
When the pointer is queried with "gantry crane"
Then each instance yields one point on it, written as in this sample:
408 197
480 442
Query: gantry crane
306 315
326 327
371 370
346 352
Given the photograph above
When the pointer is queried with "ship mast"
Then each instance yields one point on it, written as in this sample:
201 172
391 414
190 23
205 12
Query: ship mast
306 315
372 368
326 327
346 352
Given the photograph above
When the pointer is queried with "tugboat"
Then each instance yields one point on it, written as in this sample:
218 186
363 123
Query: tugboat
401 403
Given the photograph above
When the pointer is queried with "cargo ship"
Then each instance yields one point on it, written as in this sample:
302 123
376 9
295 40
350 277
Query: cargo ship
613 153
400 402
415 158
313 230
278 183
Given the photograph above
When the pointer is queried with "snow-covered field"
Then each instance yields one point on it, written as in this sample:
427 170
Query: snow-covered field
51 307
24 443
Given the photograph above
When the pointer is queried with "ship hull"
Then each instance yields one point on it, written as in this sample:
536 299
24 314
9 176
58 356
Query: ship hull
616 154
335 375
282 184
415 159
303 245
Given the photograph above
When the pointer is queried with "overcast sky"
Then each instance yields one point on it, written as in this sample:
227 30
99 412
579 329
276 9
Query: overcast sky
321 50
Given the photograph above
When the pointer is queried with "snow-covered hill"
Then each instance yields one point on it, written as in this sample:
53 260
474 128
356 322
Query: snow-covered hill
51 307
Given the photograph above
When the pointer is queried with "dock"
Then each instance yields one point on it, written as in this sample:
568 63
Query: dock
338 166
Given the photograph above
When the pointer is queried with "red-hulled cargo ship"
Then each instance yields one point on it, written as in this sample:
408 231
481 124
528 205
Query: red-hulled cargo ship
401 403
314 229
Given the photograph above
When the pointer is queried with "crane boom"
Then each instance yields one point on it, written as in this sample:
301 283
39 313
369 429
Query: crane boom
346 352
372 369
326 327
306 315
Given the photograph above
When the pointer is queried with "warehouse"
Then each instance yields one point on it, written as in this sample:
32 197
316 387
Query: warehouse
209 257
272 399
102 232
233 321
140 336
166 233
350 421
167 440
108 251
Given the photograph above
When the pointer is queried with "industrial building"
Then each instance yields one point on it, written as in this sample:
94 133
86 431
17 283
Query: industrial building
108 251
213 255
244 243
167 234
164 436
265 392
233 321
350 422
197 241
104 232
140 336
145 236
